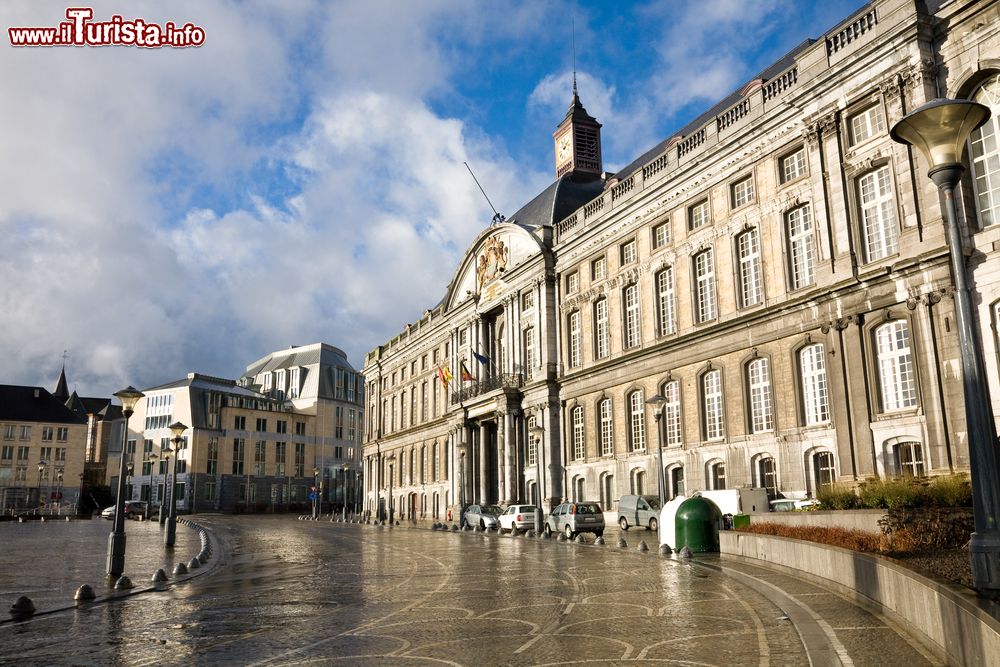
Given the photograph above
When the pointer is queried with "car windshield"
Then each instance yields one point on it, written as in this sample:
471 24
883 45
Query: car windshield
654 502
492 510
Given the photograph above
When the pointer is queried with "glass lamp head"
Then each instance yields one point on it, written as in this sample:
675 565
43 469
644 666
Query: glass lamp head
940 129
129 396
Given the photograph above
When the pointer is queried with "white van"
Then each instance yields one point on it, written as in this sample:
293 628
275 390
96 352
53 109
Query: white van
638 511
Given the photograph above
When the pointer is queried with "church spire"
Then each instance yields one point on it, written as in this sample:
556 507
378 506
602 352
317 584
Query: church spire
62 389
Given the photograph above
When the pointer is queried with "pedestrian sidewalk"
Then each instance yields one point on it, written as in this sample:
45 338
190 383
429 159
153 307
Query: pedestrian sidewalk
47 561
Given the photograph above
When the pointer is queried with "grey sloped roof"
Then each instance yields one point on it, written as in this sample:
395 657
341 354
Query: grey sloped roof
34 404
310 355
730 100
563 196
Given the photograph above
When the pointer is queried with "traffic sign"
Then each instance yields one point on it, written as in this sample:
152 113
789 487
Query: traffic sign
313 496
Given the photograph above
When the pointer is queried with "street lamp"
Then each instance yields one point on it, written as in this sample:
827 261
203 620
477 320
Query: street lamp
391 458
153 458
116 540
315 492
658 403
941 129
177 429
343 492
58 494
537 432
165 454
42 464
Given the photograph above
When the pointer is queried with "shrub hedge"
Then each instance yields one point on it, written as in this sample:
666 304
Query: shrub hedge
943 491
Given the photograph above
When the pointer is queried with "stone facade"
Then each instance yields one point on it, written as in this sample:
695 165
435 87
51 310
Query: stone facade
777 271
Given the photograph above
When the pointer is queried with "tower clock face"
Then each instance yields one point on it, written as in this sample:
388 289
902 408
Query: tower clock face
564 148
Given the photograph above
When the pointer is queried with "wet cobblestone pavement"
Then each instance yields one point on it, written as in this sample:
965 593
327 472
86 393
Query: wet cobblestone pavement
300 592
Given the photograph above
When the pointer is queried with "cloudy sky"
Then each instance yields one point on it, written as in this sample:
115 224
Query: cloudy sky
299 177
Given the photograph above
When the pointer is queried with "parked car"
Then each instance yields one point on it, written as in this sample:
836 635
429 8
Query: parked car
133 508
574 518
791 504
484 516
517 517
639 511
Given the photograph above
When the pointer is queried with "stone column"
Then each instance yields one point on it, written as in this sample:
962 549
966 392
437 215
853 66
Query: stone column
510 444
484 463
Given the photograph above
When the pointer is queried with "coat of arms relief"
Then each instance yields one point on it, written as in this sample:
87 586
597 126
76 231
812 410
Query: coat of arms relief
492 261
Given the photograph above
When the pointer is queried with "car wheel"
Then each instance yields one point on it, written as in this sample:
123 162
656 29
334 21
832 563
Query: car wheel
548 530
482 524
653 525
598 533
130 515
623 523
569 532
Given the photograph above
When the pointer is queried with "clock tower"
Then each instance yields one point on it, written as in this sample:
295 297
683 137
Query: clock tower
578 141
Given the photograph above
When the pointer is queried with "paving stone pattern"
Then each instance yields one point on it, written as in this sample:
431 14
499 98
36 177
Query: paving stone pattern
294 592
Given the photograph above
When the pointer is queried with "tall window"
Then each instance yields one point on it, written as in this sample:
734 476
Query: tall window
895 366
637 421
638 482
793 165
748 252
239 445
293 383
572 282
815 396
824 471
672 412
579 445
532 453
878 219
867 124
666 319
599 269
909 458
675 477
630 299
711 393
704 272
761 409
661 235
602 334
280 455
698 214
259 457
575 334
628 252
606 427
213 456
717 475
742 192
985 154
529 352
801 247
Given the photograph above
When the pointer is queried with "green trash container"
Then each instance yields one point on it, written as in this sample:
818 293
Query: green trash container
697 524
741 521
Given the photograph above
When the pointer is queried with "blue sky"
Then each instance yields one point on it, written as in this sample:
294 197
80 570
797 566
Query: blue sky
299 177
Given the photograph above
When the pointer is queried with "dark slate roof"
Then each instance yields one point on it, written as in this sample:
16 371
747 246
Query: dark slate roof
730 100
559 200
84 406
34 404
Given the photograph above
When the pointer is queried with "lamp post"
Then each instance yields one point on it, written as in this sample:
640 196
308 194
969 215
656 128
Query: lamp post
165 454
153 458
116 540
658 403
177 429
357 496
940 129
315 493
344 492
42 464
58 493
391 458
537 432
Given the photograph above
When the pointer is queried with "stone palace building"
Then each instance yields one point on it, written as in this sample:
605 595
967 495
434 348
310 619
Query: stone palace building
777 271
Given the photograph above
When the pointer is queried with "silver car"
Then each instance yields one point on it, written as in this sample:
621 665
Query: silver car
517 517
483 516
571 519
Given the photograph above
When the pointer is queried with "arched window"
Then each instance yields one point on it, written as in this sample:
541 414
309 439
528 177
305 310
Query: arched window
824 470
638 482
759 385
672 412
716 475
532 447
579 486
909 458
637 421
985 155
767 475
608 496
630 308
575 339
666 320
602 333
897 380
815 395
606 429
675 478
579 445
704 274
